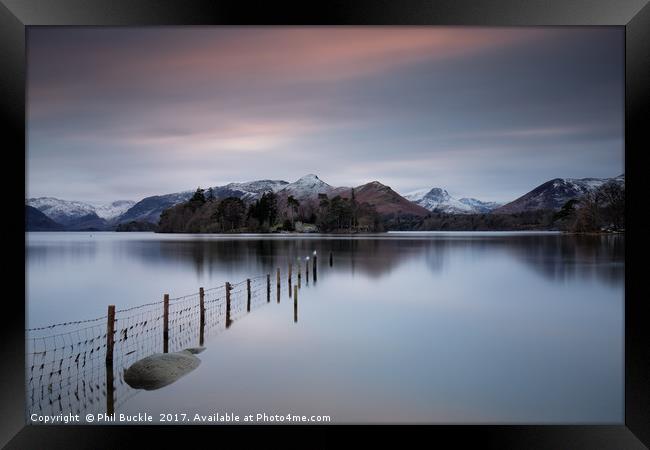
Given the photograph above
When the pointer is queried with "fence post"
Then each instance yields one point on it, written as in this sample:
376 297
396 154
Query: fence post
248 292
314 268
330 259
307 270
289 280
166 323
228 305
202 306
295 304
299 273
110 389
278 284
110 343
268 287
110 334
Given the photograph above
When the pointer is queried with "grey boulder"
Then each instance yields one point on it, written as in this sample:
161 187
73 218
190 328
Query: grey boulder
161 369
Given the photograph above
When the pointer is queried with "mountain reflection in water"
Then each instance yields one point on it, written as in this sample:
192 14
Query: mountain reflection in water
403 327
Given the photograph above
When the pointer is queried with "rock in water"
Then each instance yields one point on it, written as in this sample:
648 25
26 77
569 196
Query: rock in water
161 369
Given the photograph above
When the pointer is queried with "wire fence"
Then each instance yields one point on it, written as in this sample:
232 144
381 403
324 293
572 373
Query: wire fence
68 367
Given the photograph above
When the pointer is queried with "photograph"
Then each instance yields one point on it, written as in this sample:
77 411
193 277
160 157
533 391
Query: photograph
325 225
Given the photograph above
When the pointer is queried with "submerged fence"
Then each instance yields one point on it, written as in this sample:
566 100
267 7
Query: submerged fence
78 367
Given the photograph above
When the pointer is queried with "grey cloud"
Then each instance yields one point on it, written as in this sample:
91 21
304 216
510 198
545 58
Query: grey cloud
491 123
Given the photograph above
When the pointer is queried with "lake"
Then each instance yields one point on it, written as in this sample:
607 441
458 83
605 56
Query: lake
452 327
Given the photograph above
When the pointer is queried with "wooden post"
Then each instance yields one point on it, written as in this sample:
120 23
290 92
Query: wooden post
202 306
110 389
289 280
314 268
278 284
228 305
166 323
248 297
295 304
307 271
110 342
268 287
110 334
299 273
330 259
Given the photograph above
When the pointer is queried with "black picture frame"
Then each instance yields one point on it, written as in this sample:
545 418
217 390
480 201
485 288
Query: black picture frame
634 15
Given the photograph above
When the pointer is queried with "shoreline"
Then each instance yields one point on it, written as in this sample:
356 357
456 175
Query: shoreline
381 233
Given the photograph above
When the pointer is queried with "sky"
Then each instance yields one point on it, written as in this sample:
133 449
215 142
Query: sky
125 113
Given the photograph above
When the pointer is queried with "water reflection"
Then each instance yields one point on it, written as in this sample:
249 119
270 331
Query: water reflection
43 252
560 259
441 327
556 257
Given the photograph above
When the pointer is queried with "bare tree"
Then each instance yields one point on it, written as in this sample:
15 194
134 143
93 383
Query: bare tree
293 205
588 213
612 200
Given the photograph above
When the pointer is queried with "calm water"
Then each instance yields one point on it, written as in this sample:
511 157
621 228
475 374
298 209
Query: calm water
404 327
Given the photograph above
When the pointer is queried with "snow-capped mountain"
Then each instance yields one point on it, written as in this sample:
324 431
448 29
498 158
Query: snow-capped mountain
149 209
414 196
111 210
250 190
480 206
258 186
78 215
307 187
555 193
61 211
439 200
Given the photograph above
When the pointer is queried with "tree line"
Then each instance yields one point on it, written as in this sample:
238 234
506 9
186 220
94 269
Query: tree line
600 210
204 213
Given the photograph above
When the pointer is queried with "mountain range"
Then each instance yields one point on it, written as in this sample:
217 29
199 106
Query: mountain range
76 215
439 200
555 193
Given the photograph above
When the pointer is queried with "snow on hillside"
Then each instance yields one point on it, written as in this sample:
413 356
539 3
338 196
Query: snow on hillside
149 208
306 187
250 190
57 209
65 210
586 184
414 196
553 194
111 210
439 200
258 186
480 206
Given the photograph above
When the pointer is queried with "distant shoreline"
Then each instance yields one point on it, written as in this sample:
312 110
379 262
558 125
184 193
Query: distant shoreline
391 232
